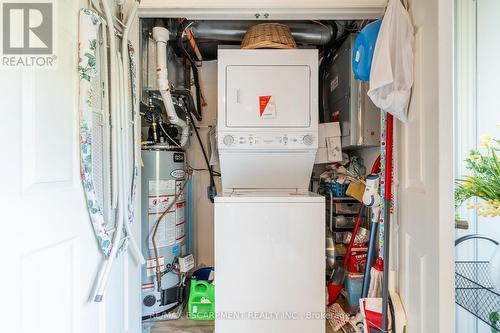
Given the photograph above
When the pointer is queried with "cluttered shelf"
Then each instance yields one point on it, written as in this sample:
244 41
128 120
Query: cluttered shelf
343 188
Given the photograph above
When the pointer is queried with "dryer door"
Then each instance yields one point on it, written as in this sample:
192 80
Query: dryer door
268 96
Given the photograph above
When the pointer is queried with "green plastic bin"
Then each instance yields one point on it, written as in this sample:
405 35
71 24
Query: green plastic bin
201 302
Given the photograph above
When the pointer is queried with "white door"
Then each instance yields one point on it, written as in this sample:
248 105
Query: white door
48 251
425 237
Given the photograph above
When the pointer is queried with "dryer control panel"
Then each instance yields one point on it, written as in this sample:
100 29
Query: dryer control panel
276 140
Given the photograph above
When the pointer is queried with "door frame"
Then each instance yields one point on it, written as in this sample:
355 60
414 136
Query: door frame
446 168
264 9
446 255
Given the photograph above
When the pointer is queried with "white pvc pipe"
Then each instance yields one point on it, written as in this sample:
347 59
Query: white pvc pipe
127 170
114 139
110 133
161 36
126 85
123 172
105 269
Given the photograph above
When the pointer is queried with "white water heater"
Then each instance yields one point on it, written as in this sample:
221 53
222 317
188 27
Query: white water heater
163 174
267 118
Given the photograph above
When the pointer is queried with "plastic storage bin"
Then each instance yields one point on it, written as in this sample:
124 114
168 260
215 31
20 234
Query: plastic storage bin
353 286
346 207
344 222
201 303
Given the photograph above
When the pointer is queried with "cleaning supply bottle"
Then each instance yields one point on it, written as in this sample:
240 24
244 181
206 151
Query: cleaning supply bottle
371 197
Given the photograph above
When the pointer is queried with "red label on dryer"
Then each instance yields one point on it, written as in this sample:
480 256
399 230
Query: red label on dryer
263 101
267 107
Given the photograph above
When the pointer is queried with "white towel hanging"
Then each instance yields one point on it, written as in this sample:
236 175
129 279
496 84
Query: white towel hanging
391 76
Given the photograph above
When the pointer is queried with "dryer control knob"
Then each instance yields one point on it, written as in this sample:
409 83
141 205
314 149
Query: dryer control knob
308 140
228 140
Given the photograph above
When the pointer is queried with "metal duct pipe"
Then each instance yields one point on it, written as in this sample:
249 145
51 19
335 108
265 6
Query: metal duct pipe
233 31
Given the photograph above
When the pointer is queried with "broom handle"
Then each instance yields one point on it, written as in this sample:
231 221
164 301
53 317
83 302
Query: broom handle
373 240
387 221
388 158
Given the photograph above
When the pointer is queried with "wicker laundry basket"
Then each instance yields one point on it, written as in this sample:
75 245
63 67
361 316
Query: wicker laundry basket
268 36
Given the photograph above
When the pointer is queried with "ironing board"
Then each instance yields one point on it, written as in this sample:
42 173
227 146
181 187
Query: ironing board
94 140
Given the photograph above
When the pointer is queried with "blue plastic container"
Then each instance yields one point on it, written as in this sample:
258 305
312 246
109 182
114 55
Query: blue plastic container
338 190
203 273
364 46
353 285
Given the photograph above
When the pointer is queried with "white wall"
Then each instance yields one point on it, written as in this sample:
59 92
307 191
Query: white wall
275 9
203 209
465 113
369 155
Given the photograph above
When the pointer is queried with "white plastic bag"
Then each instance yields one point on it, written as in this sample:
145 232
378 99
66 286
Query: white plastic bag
391 76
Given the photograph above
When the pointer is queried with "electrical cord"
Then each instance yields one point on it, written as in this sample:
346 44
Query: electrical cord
212 190
216 173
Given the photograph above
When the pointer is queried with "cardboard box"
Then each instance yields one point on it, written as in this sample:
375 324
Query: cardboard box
329 145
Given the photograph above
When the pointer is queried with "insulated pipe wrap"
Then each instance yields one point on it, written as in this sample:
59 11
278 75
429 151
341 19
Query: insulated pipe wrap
302 32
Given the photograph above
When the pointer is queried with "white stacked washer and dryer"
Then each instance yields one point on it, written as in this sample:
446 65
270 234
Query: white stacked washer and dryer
269 229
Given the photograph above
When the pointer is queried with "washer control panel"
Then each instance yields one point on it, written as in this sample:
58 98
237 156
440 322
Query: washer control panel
272 140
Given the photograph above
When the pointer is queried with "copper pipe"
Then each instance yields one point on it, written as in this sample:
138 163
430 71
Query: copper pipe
192 42
155 230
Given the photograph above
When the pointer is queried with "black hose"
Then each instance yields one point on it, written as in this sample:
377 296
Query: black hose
196 79
393 316
196 75
211 190
216 173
